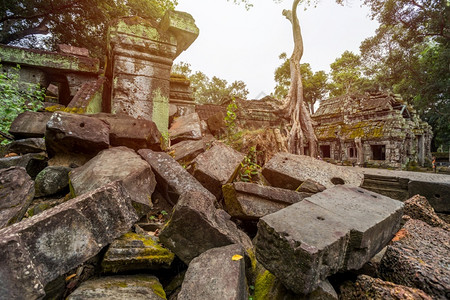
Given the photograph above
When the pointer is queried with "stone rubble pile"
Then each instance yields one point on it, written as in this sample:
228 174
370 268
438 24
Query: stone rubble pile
82 228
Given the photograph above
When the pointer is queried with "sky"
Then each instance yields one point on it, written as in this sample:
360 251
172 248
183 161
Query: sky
236 44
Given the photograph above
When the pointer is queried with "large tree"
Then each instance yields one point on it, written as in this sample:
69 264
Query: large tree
83 23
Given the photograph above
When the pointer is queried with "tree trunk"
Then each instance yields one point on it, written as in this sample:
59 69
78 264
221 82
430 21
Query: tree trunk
302 130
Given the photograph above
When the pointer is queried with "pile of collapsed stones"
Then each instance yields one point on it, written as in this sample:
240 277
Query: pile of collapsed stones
81 216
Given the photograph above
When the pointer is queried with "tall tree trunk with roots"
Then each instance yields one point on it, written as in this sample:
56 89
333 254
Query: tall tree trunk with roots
302 130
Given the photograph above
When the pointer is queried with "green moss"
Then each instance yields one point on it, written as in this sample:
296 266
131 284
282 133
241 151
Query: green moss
158 290
160 111
263 286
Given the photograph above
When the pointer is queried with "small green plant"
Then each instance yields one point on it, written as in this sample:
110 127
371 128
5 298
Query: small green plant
249 171
230 118
14 100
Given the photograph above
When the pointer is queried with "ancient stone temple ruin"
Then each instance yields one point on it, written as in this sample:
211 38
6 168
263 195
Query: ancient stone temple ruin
377 129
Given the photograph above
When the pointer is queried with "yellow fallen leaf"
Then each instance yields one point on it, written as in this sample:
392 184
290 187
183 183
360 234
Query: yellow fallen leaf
236 257
70 277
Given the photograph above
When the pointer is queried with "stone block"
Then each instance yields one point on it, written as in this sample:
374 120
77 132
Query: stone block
368 288
437 193
251 201
30 124
418 257
52 180
373 219
196 226
173 180
217 166
132 133
32 162
289 171
215 275
185 128
133 252
16 194
61 238
418 208
120 287
185 151
119 163
182 25
302 245
68 49
25 146
76 133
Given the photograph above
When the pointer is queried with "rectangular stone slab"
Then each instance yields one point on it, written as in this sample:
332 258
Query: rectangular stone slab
302 244
373 218
61 238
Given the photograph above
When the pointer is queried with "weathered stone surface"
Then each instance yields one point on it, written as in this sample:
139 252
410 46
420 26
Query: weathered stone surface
119 288
132 133
196 226
16 194
32 162
76 133
215 275
88 98
418 208
52 180
119 163
252 201
289 171
68 49
182 25
63 237
173 180
268 287
185 128
310 186
133 252
186 151
302 245
216 123
338 229
419 257
30 124
25 146
373 218
367 288
216 167
437 193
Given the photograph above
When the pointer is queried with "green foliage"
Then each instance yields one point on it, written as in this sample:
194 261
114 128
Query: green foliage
210 90
80 23
14 99
250 169
314 84
230 118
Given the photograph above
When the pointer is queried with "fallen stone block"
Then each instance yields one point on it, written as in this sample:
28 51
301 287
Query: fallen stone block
310 186
218 273
217 166
25 146
33 163
289 171
185 151
61 238
131 132
119 163
52 180
133 252
335 230
30 124
373 218
185 128
418 257
120 287
196 226
437 193
75 133
250 201
16 194
173 180
419 208
302 245
368 288
216 123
